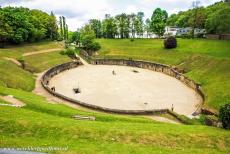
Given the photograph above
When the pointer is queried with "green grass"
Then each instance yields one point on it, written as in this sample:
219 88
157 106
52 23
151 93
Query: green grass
17 51
205 61
3 101
41 62
13 76
51 125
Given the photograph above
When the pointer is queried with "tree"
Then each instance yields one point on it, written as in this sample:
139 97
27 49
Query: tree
87 39
61 27
132 18
20 25
96 26
5 30
122 21
109 27
218 23
148 27
139 24
158 21
53 27
76 37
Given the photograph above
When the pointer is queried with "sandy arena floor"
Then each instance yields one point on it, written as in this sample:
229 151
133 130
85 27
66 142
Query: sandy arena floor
127 89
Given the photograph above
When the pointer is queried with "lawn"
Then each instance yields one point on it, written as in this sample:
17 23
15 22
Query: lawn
13 76
205 61
52 125
18 50
41 62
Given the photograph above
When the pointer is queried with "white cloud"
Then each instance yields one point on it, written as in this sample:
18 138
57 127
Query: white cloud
79 12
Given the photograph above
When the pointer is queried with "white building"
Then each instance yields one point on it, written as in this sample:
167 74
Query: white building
175 31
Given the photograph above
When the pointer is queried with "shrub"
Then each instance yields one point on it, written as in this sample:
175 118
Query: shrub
92 46
225 115
69 52
170 42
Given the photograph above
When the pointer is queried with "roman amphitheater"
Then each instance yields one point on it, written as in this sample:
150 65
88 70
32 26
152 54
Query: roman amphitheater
122 88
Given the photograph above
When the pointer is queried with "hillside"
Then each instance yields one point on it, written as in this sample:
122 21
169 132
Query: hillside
44 124
205 61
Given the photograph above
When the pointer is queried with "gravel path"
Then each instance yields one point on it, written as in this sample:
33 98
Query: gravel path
13 60
13 100
42 51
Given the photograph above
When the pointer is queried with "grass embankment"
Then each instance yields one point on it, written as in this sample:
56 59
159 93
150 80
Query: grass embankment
205 61
44 124
13 76
41 62
19 50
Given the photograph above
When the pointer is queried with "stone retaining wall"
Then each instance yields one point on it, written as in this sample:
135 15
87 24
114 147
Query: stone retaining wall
141 64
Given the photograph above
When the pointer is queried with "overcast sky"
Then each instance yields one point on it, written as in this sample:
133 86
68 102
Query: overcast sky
78 12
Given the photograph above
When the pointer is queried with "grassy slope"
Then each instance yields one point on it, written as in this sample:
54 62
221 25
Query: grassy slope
51 125
13 76
206 61
40 62
17 51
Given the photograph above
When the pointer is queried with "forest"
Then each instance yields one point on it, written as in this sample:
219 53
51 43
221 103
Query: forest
19 25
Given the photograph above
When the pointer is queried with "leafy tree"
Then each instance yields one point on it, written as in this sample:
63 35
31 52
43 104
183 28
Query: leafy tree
96 26
158 21
132 18
76 37
53 28
139 24
123 25
148 26
109 27
61 27
20 25
5 30
218 23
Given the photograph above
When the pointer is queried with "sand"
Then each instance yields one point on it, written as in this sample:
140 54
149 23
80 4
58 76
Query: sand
127 90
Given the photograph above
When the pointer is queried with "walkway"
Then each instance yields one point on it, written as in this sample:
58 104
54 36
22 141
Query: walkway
42 51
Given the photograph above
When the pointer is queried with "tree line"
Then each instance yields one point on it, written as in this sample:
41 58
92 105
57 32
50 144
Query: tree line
19 25
129 25
214 18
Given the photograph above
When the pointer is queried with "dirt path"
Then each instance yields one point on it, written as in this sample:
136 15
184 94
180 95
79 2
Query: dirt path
82 60
13 60
39 90
13 100
163 119
42 51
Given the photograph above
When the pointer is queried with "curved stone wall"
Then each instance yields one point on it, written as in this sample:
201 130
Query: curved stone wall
141 64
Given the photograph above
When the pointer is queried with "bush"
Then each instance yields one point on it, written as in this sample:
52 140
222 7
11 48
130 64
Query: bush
170 42
68 52
225 115
95 46
92 46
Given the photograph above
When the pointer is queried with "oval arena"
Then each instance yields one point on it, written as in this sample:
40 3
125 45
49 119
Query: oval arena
119 88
